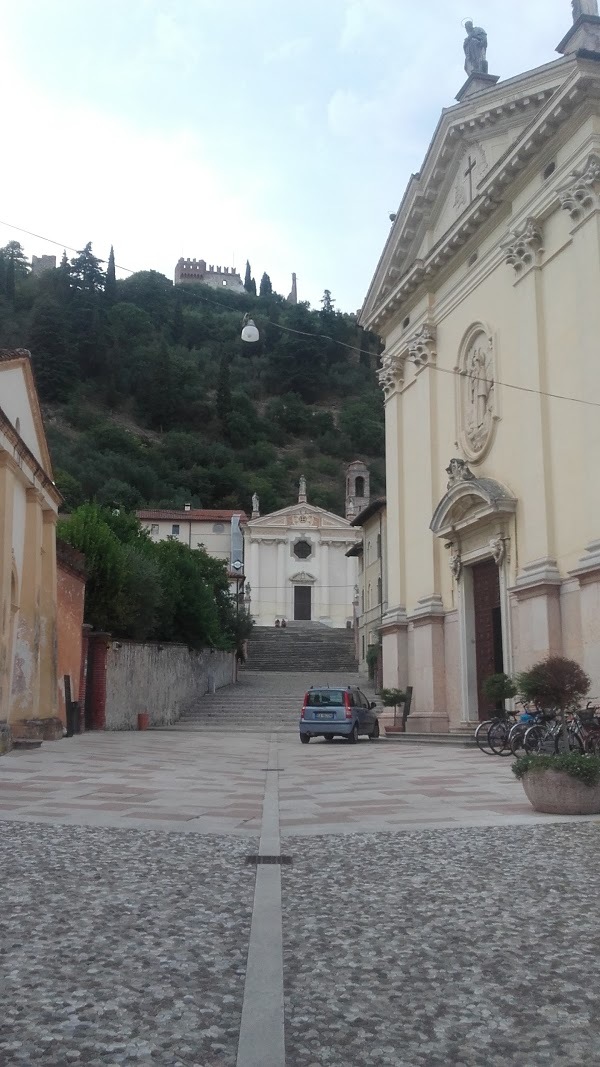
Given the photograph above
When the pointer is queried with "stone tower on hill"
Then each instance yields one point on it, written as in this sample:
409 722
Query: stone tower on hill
293 297
195 272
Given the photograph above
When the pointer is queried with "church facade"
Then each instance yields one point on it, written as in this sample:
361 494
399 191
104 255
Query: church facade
296 565
487 299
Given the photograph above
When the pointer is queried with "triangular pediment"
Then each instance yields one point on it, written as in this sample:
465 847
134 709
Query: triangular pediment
472 141
19 402
300 516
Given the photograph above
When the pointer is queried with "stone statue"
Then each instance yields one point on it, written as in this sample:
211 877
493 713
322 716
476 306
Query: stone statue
476 49
480 398
584 7
255 504
302 491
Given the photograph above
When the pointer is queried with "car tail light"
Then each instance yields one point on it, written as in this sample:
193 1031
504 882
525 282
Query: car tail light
347 703
303 712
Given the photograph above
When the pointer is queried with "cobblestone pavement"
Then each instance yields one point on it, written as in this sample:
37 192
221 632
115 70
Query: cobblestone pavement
121 947
430 916
455 948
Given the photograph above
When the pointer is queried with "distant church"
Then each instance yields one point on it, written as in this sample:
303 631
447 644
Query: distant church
296 563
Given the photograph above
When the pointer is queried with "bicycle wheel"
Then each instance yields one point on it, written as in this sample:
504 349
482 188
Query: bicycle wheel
481 736
498 734
534 738
516 737
573 738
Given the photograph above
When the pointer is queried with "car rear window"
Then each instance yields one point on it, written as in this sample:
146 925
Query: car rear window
326 698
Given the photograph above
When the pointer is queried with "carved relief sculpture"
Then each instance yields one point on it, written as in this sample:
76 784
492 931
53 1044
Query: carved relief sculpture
581 195
477 395
458 471
456 565
498 547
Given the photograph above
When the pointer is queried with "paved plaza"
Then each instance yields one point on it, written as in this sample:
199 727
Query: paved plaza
427 917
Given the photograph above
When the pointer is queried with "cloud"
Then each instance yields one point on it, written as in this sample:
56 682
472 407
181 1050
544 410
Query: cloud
288 50
363 19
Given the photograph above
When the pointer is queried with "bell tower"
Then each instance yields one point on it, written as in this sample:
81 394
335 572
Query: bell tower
358 488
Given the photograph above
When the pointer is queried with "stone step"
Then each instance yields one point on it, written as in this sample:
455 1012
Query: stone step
452 740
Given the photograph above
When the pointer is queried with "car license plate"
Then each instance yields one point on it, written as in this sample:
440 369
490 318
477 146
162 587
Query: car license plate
323 715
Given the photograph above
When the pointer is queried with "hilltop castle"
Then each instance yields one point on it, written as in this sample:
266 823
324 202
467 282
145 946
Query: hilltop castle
195 271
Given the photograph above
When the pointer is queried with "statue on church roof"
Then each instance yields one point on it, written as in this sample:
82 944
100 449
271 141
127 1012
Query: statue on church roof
584 7
255 506
475 47
302 491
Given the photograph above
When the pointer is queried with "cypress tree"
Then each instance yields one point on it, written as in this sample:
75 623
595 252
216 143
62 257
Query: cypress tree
9 285
110 284
266 289
52 359
248 279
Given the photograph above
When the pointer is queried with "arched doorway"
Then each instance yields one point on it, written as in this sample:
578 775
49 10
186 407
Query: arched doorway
476 520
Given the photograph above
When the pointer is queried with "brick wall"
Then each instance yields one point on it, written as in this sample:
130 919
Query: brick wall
70 580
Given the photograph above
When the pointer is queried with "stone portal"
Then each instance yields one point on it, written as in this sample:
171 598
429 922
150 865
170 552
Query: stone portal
488 629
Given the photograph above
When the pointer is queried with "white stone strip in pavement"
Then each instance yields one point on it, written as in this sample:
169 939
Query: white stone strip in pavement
262 1031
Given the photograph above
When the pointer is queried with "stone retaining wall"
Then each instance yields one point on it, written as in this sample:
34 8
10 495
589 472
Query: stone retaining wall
163 680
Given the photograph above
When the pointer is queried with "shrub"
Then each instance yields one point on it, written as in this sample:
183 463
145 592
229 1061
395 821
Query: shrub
585 768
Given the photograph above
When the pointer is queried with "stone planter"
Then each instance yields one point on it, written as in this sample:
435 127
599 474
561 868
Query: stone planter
558 793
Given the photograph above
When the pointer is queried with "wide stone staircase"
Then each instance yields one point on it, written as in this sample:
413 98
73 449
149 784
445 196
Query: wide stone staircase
259 703
301 647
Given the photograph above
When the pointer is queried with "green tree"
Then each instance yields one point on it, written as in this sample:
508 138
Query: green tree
224 390
87 530
248 277
327 304
86 271
110 284
48 341
266 288
13 253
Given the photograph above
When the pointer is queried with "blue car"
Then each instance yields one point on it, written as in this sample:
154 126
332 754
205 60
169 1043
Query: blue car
333 713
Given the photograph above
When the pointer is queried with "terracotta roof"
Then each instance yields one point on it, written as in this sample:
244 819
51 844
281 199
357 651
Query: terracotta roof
195 515
370 510
7 355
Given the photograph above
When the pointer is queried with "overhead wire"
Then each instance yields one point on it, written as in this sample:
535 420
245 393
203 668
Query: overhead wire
333 340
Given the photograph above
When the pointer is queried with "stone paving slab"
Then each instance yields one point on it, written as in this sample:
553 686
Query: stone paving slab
122 947
453 948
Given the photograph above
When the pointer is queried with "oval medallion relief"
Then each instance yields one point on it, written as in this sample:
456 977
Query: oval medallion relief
477 393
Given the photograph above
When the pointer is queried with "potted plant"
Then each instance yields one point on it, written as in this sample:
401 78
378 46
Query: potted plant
563 784
391 698
555 685
499 688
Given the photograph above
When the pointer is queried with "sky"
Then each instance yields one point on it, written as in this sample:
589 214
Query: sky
279 131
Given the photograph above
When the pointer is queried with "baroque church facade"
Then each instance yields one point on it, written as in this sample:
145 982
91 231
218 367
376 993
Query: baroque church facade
487 297
296 565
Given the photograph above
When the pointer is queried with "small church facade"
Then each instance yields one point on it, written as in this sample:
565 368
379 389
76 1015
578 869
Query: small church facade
487 299
296 566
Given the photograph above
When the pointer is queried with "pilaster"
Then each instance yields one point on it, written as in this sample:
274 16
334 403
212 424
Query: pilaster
6 630
537 595
48 706
25 695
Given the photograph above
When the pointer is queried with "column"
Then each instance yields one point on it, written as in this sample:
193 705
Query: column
25 695
327 595
7 488
281 592
48 703
254 578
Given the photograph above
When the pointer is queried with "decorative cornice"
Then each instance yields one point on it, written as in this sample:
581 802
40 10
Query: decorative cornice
580 196
523 247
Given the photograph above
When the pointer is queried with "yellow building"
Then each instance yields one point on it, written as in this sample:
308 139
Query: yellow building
487 297
29 504
371 599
